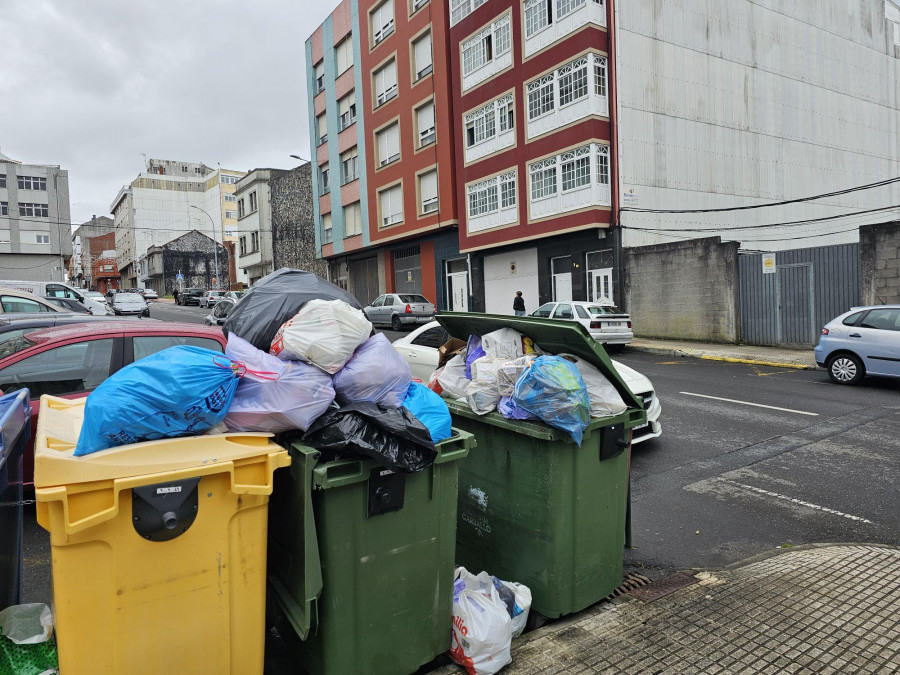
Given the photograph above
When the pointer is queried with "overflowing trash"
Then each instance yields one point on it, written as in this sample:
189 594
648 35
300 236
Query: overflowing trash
430 410
487 614
554 391
26 643
374 373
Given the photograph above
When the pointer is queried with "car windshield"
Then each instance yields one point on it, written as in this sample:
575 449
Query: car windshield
413 298
216 292
597 310
119 298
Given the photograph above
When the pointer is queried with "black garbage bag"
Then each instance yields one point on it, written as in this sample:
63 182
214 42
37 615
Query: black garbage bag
276 298
391 436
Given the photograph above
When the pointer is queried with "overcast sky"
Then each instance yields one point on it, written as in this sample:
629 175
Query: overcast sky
92 84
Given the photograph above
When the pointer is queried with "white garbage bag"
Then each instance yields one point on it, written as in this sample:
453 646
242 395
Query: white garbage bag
483 393
605 400
453 378
505 344
482 627
324 333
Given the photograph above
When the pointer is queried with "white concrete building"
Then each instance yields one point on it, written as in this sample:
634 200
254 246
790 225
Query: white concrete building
35 240
164 202
739 102
255 223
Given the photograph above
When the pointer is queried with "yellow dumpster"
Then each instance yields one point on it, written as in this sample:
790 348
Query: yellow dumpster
159 548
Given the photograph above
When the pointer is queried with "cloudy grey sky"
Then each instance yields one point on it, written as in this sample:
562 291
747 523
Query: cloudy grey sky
92 84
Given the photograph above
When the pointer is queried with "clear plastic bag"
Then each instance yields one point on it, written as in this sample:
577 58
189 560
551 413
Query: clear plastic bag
482 394
554 391
26 647
375 373
509 372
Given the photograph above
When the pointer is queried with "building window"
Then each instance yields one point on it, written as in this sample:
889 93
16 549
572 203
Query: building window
573 81
320 76
489 128
327 232
228 197
382 21
352 220
253 204
574 179
241 211
231 214
42 239
603 167
254 242
576 171
242 246
347 111
543 178
34 210
391 201
321 129
580 84
491 202
538 15
508 191
349 166
417 5
230 180
388 142
343 55
422 60
385 83
540 97
324 188
4 208
563 7
32 183
460 9
489 44
425 124
2 180
428 191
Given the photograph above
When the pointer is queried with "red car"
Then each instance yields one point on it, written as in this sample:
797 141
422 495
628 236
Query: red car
72 360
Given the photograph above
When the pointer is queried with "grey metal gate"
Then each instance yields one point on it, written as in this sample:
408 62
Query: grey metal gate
364 279
809 288
407 270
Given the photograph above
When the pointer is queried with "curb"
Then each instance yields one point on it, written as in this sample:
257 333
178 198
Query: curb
667 351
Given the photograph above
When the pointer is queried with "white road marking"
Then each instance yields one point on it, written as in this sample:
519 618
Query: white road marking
794 500
755 405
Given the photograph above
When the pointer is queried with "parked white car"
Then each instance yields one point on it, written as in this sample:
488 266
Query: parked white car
603 320
420 350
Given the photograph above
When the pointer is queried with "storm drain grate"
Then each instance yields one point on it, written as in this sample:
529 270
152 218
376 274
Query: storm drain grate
631 582
663 587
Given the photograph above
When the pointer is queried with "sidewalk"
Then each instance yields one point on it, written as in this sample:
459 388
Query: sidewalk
763 356
813 609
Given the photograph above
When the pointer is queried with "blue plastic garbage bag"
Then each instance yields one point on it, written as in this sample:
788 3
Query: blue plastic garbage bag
179 391
473 353
430 410
375 373
554 391
508 408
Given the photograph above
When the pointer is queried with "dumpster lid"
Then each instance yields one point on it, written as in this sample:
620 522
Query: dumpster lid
15 417
59 423
553 336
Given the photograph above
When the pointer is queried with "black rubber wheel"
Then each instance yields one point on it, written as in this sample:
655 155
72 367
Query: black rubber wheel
535 621
395 323
846 369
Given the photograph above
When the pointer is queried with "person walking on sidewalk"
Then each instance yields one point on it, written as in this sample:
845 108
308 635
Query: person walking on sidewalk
519 304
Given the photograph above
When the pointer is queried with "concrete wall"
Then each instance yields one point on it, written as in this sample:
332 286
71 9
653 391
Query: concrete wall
879 263
684 290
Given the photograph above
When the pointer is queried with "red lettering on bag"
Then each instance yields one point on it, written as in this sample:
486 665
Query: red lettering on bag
458 622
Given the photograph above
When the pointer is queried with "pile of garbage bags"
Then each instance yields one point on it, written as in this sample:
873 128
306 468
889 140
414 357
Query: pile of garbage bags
300 358
506 371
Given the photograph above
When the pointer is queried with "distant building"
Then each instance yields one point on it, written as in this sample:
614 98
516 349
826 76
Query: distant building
255 223
294 226
83 255
171 198
192 256
103 273
35 240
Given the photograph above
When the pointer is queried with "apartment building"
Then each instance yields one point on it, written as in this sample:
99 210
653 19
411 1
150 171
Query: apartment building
84 251
35 244
170 198
381 130
254 214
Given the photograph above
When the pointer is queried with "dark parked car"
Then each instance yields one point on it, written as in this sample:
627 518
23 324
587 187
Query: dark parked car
68 304
190 296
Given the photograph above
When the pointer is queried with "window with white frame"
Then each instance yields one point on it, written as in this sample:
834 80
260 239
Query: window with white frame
253 204
33 210
324 187
540 96
428 191
2 180
599 76
603 166
352 220
382 21
576 169
343 55
32 182
425 124
491 202
417 5
385 82
571 180
320 76
388 142
422 59
507 190
231 214
391 201
241 211
573 81
487 45
486 122
41 238
327 232
505 113
543 178
538 15
321 129
254 242
460 9
572 91
349 166
4 208
229 197
242 246
347 111
482 198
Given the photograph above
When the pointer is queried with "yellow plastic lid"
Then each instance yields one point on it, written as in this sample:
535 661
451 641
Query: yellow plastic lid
59 424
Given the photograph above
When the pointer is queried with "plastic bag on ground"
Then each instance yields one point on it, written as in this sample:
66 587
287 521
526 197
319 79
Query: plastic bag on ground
605 400
179 391
509 372
276 298
275 395
375 373
554 391
453 378
508 408
391 436
482 394
26 647
504 344
517 598
473 352
430 410
324 333
482 627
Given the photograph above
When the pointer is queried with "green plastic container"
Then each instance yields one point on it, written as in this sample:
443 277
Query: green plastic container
535 508
361 560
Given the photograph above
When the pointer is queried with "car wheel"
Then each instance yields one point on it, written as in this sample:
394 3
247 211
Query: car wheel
395 323
846 369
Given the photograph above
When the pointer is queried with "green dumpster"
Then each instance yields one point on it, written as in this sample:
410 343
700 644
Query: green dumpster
361 560
534 507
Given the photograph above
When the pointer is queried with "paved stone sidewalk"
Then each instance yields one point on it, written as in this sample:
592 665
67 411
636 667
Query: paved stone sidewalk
817 609
769 356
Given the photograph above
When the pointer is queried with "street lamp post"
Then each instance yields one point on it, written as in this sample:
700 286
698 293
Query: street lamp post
215 243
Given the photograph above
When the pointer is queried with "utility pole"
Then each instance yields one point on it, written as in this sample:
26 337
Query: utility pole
62 274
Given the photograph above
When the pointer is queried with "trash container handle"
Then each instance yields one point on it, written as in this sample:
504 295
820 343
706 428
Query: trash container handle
339 473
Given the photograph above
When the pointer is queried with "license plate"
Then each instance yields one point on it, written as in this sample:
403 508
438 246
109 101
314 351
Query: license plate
643 426
423 318
612 324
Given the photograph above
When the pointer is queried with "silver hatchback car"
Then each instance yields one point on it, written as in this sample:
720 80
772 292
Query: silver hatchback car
863 341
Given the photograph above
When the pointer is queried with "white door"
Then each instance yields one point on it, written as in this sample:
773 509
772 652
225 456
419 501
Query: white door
600 284
506 273
561 278
458 291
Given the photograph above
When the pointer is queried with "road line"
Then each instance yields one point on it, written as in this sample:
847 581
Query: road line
755 405
754 362
794 500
